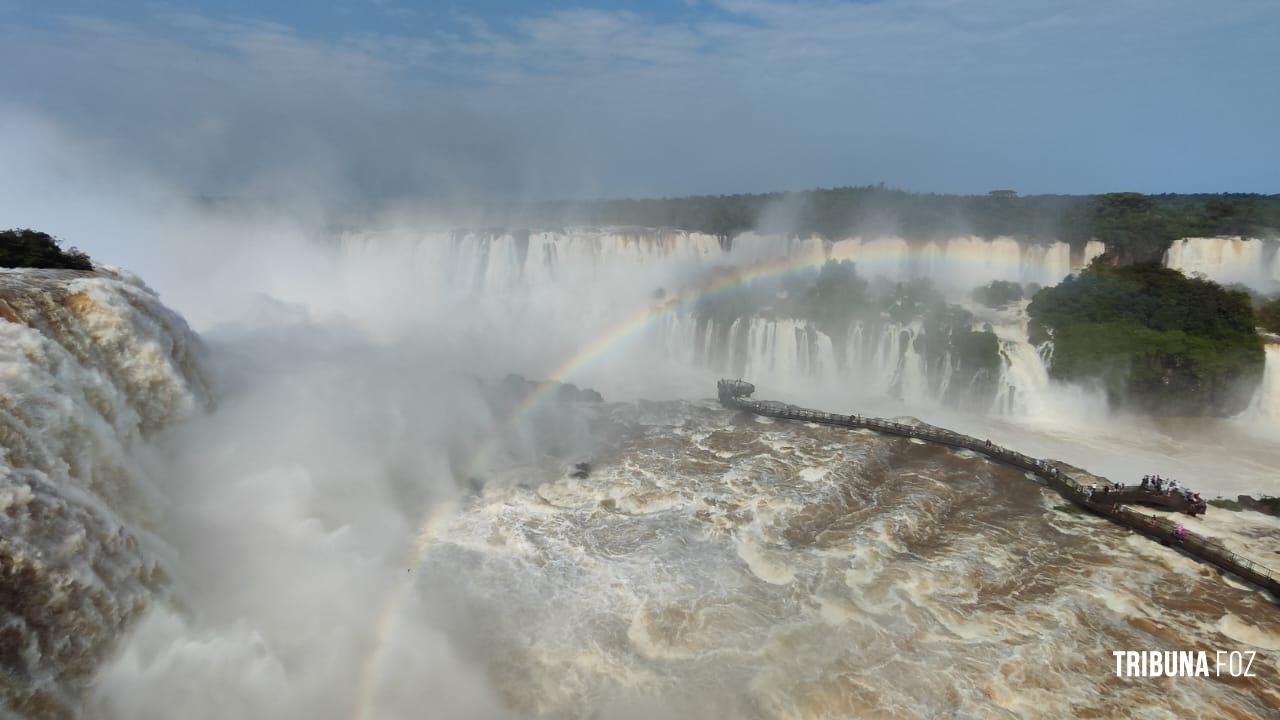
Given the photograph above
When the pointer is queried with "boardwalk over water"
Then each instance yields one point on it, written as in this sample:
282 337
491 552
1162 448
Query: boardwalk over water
734 394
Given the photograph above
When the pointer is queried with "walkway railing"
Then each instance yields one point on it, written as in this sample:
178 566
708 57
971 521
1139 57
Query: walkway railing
733 393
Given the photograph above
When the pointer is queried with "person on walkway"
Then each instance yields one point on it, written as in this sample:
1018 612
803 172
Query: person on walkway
1145 479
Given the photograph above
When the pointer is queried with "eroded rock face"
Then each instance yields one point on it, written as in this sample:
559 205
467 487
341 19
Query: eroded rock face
91 364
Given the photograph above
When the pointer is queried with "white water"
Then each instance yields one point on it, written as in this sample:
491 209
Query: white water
478 260
1264 413
878 359
960 263
877 367
560 292
1092 249
576 285
292 503
1251 262
89 368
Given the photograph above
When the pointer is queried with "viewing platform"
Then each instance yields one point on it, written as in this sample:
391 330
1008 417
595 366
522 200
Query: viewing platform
1112 505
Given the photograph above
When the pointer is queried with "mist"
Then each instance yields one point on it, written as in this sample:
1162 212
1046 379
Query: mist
355 396
287 517
366 522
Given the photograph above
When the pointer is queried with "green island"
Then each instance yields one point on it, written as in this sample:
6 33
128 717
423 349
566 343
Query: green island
1158 342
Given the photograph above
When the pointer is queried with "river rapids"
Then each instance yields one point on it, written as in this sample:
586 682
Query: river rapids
714 564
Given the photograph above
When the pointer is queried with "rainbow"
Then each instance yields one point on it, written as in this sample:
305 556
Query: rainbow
613 337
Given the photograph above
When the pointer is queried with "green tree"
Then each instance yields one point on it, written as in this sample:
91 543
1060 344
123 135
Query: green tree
31 249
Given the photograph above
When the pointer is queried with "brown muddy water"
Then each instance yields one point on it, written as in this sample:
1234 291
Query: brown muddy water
714 564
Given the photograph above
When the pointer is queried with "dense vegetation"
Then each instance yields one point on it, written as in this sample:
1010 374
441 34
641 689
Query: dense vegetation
1136 227
31 249
1159 342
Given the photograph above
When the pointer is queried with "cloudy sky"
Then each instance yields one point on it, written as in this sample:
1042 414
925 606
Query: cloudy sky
393 99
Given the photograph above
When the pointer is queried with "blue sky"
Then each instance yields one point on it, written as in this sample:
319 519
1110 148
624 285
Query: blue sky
381 99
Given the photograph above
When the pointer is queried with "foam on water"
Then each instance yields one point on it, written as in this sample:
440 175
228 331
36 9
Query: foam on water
91 365
828 574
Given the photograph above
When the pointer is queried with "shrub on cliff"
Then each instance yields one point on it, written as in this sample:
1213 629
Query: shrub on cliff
1158 341
31 249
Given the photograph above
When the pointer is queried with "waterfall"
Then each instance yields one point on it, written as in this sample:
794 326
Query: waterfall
1228 260
1264 411
1026 391
91 365
475 261
884 357
581 282
876 358
1092 250
1024 378
961 263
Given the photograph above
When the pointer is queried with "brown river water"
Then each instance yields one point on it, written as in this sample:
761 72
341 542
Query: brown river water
714 564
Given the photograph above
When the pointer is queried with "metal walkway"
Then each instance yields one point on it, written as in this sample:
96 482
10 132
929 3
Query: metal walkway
734 394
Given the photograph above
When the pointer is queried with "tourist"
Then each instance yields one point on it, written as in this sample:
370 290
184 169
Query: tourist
1145 479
